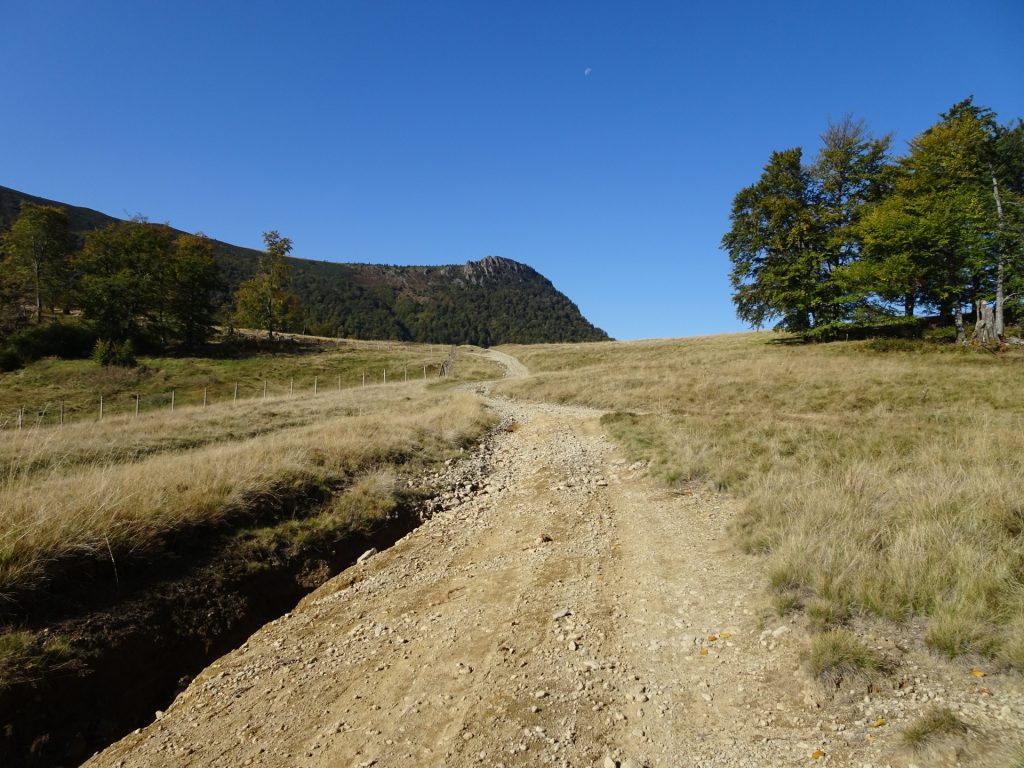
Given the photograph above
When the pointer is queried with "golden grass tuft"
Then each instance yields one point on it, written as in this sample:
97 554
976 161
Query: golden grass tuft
937 722
838 655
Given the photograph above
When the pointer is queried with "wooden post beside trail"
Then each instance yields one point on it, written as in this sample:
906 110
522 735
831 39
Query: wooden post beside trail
234 397
291 386
21 417
339 382
264 389
204 397
424 373
136 405
172 401
407 373
364 378
316 381
62 413
385 375
101 406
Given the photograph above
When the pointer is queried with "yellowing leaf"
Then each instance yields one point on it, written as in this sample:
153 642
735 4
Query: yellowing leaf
978 672
725 635
879 722
703 651
817 754
712 638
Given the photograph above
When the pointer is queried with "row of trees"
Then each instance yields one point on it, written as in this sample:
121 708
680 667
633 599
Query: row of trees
135 281
860 237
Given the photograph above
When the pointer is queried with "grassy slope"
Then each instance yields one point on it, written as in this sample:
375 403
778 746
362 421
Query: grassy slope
96 489
882 478
40 387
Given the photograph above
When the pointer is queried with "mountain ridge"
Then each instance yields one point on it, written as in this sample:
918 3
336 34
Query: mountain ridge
492 300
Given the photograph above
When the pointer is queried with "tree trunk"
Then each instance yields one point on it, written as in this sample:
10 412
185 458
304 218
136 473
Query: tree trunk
985 327
999 327
958 319
908 305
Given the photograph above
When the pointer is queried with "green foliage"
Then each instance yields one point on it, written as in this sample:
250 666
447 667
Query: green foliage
64 340
265 300
144 282
121 288
119 353
193 289
821 247
35 251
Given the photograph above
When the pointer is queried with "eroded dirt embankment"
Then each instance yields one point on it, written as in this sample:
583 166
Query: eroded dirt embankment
133 633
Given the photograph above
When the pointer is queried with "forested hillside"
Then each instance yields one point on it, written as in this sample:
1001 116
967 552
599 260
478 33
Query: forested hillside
486 302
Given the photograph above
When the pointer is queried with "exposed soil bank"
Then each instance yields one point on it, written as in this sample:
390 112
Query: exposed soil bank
145 634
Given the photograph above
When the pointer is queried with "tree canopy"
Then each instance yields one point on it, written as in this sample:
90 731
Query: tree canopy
859 236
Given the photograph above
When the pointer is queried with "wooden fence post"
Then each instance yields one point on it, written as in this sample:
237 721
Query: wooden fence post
385 375
62 413
291 386
204 397
101 406
264 389
172 401
234 397
339 382
21 417
136 405
406 373
364 378
316 382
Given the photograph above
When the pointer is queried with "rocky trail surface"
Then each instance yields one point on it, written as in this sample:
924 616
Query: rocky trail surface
559 608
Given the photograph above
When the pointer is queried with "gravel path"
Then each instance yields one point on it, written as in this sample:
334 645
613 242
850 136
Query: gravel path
558 609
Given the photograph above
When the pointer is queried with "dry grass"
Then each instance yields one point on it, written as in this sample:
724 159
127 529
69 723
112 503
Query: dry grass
77 509
880 478
938 722
837 655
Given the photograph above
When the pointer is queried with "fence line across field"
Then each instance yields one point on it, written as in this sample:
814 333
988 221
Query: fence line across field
58 413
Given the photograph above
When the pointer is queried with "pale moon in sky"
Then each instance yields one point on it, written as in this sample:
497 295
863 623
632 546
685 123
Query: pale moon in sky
587 71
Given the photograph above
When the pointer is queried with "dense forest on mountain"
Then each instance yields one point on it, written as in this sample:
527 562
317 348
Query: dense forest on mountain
491 301
860 241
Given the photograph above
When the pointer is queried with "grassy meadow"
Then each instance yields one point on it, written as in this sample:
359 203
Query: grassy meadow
42 386
99 489
879 477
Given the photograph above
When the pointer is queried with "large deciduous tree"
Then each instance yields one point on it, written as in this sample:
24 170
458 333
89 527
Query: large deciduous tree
192 286
121 288
265 300
795 229
35 251
934 240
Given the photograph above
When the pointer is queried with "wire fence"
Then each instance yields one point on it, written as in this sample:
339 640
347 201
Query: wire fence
133 404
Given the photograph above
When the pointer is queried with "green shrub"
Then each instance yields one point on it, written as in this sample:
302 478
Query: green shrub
53 340
114 353
9 360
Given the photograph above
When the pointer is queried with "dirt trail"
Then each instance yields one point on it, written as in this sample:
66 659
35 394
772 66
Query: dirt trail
571 613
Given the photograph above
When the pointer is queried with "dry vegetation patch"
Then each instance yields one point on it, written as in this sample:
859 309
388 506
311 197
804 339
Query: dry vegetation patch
879 478
96 507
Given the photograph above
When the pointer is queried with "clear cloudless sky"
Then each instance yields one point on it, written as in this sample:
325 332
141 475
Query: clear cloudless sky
600 142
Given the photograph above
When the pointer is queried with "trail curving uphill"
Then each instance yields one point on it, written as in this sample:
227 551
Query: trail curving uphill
571 613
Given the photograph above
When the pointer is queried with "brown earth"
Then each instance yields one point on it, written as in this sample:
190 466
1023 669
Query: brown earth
562 610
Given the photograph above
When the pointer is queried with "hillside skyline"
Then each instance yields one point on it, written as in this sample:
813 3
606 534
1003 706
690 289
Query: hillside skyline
599 144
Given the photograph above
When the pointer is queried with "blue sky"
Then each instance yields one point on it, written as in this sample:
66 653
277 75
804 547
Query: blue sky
438 132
